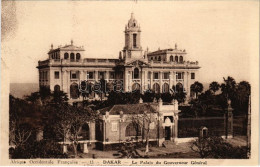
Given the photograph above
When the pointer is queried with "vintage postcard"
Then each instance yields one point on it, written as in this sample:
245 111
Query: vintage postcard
140 83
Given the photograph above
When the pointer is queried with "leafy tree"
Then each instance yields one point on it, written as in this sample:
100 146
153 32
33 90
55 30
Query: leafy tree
69 121
144 120
197 87
214 86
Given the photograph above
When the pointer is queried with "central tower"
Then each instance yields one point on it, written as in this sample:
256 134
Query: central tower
132 49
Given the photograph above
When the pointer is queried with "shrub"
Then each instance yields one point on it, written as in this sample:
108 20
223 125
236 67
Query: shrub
42 149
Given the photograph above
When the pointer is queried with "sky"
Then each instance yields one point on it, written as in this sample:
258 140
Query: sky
222 35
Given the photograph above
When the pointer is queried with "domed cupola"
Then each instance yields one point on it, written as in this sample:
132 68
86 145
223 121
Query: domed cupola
132 23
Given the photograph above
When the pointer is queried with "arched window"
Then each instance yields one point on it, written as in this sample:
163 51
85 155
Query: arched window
66 55
192 93
72 56
85 132
156 88
165 88
171 58
151 58
56 88
159 58
179 87
136 73
133 129
74 91
181 59
176 58
136 87
77 56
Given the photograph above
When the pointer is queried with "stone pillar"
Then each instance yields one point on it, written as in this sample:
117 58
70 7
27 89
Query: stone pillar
229 121
151 81
160 81
92 131
176 117
142 81
107 75
126 80
174 78
65 148
81 75
187 87
39 135
171 79
96 75
145 81
68 83
85 148
130 81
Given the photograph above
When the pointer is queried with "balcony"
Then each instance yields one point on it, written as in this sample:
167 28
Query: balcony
81 62
183 64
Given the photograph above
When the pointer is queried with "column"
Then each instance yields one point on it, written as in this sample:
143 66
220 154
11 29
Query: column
81 75
130 80
68 83
160 81
188 87
107 75
85 148
184 81
85 74
96 75
126 80
145 80
151 81
174 78
171 77
142 81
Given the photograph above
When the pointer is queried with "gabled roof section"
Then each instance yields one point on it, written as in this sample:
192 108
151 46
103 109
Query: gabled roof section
70 47
130 108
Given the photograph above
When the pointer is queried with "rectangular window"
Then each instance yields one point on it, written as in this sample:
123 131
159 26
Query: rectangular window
101 75
112 75
166 75
56 74
192 75
156 75
114 126
179 75
90 75
74 75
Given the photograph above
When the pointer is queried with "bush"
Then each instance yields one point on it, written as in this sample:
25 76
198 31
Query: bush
217 147
42 149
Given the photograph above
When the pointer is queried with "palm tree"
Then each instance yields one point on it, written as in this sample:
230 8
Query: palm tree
243 92
228 88
214 86
197 87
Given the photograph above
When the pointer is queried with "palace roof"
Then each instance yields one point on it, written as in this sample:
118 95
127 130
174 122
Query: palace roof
130 108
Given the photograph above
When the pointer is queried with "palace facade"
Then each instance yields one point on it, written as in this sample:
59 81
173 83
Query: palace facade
135 68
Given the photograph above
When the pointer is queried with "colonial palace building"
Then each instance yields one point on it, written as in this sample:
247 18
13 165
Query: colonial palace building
135 68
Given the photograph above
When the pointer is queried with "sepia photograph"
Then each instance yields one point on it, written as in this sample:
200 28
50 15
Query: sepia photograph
129 82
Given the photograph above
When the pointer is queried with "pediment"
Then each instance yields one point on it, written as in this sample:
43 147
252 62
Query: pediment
137 63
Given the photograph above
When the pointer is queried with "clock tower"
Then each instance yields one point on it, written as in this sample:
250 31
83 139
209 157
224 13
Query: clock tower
132 49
